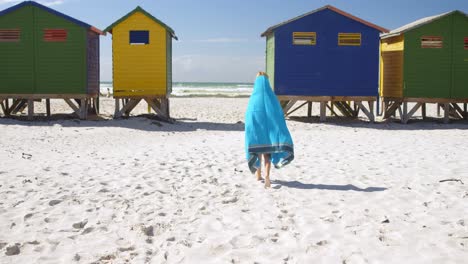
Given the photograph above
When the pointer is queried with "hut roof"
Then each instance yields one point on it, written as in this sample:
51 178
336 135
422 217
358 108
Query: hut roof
52 11
139 9
418 23
341 12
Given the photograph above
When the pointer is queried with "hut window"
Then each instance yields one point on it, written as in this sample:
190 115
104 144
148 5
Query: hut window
466 43
430 42
304 38
349 39
55 35
139 37
10 35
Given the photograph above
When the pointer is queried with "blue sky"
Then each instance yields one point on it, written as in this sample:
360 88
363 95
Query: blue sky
219 40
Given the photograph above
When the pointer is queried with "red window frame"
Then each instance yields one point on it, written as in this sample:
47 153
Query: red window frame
55 35
432 42
10 35
465 43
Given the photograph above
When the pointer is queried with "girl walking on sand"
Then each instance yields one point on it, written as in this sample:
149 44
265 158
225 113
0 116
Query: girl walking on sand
267 137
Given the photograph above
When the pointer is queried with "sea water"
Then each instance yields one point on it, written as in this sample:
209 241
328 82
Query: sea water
199 89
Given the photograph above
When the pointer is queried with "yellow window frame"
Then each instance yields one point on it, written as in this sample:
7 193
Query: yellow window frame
349 39
305 38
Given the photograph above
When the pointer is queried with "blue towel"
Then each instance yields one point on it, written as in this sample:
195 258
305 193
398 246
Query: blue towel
265 128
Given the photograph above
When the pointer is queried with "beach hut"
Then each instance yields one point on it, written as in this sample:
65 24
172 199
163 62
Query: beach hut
426 62
142 62
326 56
45 54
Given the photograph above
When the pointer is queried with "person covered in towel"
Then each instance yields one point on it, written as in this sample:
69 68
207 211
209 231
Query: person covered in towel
267 137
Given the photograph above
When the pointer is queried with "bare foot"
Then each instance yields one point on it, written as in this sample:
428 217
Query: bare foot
267 183
258 173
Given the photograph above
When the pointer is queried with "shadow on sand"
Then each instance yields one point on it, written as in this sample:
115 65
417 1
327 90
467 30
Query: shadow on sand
309 186
154 123
390 124
142 122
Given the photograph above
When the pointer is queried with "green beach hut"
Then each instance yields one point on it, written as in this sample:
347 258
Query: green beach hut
47 55
426 62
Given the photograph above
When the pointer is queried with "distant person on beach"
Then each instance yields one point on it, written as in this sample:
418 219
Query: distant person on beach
267 137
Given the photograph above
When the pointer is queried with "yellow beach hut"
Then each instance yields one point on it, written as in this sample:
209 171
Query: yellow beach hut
142 62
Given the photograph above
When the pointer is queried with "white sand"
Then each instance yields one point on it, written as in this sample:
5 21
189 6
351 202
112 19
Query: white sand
152 192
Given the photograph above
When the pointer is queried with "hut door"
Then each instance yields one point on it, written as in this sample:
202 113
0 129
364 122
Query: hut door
460 57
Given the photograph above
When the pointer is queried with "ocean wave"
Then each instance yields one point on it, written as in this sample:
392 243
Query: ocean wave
190 89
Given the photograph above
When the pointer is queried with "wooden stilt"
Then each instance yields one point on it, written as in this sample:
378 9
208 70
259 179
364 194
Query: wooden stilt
371 109
412 112
404 117
117 107
330 107
23 104
309 109
438 110
83 109
7 106
97 105
3 106
126 108
465 109
369 114
168 112
458 112
73 106
446 113
156 106
288 106
423 110
30 109
48 107
323 111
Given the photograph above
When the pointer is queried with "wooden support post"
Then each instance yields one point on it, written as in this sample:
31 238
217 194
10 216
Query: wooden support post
323 111
288 106
15 105
295 109
371 109
369 114
438 110
465 109
97 104
309 109
30 109
117 108
168 107
72 106
83 109
22 105
423 110
126 108
3 106
412 111
164 107
155 105
48 107
446 113
404 118
330 107
457 111
7 106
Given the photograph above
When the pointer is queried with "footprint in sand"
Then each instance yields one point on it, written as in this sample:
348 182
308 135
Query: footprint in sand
87 230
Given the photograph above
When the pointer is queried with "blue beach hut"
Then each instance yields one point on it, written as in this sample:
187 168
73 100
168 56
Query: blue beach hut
326 56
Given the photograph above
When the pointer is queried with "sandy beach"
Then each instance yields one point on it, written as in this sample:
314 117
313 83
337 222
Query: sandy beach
139 190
